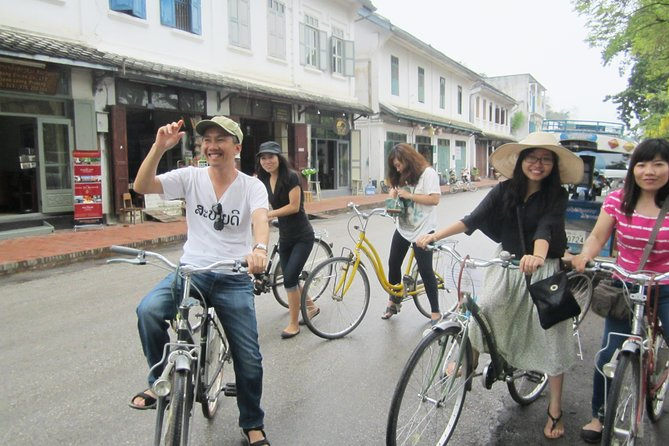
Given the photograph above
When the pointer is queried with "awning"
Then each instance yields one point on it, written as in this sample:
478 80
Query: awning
430 119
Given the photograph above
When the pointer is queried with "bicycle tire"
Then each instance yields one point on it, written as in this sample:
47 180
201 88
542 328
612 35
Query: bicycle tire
623 401
580 286
320 251
212 363
178 412
342 307
527 386
447 299
427 401
657 381
472 188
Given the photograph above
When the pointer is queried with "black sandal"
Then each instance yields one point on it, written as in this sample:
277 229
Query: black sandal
149 401
263 442
391 310
555 421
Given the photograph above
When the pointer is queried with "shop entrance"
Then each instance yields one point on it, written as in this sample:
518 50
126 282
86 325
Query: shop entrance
35 165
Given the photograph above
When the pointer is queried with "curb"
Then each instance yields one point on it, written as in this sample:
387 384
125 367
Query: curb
9 268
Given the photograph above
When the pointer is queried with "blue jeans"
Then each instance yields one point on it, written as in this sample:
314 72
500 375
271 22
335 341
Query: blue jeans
611 325
231 295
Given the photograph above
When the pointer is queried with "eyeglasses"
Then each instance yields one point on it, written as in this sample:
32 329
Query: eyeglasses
545 160
217 209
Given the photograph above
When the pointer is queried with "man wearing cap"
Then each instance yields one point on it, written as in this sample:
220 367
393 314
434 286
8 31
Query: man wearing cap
226 215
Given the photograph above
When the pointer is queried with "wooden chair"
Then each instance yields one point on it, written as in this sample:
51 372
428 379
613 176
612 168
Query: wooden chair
129 209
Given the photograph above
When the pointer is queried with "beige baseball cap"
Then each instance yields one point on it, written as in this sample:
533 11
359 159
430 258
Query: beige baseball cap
221 122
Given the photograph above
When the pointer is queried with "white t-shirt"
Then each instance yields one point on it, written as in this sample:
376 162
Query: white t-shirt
214 236
418 219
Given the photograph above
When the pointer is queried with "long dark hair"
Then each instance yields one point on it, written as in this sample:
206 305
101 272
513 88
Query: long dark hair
550 189
283 180
647 150
414 164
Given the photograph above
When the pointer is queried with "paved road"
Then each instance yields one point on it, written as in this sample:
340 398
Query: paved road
72 360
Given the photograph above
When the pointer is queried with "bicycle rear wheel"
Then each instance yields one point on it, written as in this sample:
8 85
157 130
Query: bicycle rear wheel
177 423
215 357
320 251
526 386
431 391
622 405
581 287
658 379
448 298
341 292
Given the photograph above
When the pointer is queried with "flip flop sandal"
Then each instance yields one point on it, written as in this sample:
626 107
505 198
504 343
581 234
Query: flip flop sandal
555 421
149 401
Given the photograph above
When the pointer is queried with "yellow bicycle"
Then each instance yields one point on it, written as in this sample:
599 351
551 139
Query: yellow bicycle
340 285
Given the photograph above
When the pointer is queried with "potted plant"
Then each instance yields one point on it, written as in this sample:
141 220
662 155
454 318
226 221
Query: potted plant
475 174
307 172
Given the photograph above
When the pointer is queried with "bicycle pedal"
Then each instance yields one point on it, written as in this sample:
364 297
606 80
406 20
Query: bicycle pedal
230 389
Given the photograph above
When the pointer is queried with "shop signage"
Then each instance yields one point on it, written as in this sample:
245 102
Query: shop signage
28 79
341 127
87 188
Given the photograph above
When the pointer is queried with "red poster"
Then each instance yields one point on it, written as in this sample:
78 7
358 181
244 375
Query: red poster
87 188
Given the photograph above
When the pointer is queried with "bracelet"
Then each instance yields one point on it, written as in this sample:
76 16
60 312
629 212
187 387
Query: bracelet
542 258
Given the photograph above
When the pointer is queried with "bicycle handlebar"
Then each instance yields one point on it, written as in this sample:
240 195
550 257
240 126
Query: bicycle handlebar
637 276
505 259
365 215
141 255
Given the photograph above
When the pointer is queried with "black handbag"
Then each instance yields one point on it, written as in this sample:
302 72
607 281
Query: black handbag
552 297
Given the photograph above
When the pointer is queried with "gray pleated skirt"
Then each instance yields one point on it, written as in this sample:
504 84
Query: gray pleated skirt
513 317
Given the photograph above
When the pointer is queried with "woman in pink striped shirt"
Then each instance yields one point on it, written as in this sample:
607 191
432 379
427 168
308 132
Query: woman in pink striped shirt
631 212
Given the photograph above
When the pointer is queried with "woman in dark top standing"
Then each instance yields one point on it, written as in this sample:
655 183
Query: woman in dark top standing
296 235
536 167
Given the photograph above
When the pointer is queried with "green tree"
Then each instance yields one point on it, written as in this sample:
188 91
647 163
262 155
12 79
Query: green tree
636 33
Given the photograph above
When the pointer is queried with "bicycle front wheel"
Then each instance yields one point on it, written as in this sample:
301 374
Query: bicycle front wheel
580 286
320 251
526 386
431 391
179 409
341 292
622 405
658 379
215 357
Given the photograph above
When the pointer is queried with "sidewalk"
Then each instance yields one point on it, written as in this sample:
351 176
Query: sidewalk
68 246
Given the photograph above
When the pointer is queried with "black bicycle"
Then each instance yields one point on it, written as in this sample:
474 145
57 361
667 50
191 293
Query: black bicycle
272 278
431 390
194 362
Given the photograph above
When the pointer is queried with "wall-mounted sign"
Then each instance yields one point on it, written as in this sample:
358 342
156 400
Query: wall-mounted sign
29 79
341 127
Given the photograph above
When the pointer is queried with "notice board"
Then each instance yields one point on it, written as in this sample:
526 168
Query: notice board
87 188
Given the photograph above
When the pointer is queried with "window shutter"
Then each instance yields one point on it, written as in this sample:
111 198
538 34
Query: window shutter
323 47
121 5
167 15
349 58
196 17
139 8
303 46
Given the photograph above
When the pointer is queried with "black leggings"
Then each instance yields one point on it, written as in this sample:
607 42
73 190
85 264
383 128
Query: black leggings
398 250
293 255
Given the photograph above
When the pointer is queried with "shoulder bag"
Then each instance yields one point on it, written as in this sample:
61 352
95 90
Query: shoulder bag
608 300
552 297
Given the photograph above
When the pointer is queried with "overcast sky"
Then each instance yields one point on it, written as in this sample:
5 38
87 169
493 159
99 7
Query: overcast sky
498 37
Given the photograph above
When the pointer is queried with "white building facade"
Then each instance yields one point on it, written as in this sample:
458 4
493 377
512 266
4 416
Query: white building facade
419 96
530 96
105 74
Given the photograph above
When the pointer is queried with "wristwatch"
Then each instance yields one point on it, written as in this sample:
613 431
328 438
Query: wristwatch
260 246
